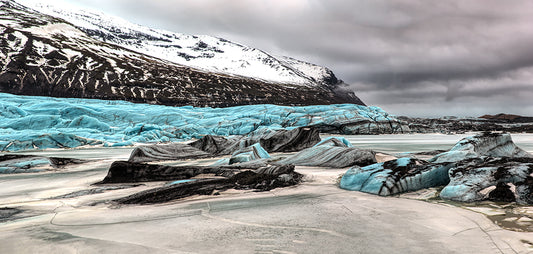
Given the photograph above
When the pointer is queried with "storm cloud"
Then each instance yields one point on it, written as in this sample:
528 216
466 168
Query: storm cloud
424 58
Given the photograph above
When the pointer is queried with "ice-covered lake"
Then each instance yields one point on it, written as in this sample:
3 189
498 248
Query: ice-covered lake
315 216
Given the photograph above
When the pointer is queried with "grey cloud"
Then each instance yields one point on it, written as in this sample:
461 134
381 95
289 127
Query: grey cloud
431 52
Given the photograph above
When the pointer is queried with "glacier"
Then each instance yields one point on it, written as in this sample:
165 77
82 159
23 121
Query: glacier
35 122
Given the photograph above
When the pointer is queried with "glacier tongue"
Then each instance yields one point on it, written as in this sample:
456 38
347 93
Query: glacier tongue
34 122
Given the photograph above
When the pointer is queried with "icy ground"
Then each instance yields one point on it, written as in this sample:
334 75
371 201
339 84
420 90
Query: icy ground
30 122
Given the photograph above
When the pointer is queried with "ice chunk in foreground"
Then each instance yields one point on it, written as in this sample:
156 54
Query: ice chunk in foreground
396 176
470 178
471 166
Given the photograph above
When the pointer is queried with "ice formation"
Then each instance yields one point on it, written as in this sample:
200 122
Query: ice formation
335 152
468 169
19 163
250 153
259 143
397 176
469 180
257 178
34 122
488 144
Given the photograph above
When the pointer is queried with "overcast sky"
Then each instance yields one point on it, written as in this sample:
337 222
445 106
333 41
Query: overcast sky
419 58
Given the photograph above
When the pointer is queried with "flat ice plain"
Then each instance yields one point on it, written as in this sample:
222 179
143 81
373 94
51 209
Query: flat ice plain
314 217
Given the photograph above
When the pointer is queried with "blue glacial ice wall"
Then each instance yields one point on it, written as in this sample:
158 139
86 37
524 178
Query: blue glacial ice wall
33 122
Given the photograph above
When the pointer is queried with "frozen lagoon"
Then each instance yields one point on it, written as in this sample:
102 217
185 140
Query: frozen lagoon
387 143
314 217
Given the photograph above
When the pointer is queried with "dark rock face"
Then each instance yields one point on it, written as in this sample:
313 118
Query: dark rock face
211 146
49 57
502 193
505 123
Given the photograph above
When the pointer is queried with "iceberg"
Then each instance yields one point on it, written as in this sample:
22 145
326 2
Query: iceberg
396 176
485 144
212 146
334 152
468 180
467 170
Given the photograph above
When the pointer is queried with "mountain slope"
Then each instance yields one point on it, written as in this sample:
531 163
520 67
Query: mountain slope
44 55
204 52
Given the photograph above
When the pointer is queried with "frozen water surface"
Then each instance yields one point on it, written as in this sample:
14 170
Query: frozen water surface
315 216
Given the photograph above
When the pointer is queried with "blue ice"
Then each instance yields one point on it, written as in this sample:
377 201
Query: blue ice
34 122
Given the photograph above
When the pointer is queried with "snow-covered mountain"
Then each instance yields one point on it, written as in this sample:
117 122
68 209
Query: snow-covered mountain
198 51
90 55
